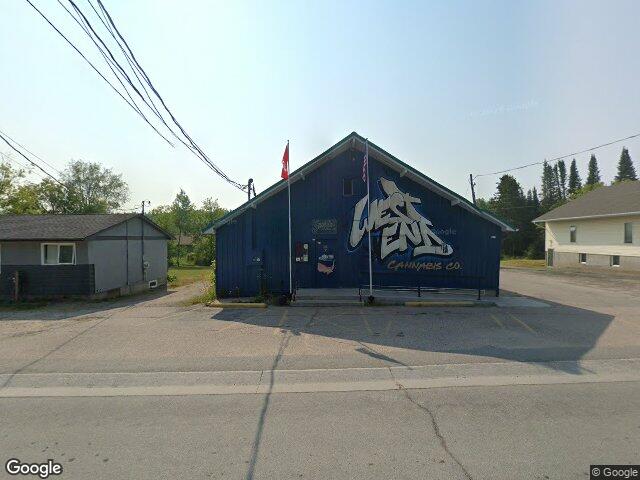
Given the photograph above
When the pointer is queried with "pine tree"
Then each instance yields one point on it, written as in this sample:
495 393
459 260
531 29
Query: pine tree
510 203
536 199
550 190
575 182
562 178
626 170
593 178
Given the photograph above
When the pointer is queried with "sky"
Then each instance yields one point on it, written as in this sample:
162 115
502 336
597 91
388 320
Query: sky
451 88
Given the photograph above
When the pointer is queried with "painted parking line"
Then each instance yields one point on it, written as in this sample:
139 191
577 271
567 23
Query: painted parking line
388 327
497 320
522 322
366 323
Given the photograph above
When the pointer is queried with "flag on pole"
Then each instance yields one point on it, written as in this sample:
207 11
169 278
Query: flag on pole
285 163
285 176
365 165
365 179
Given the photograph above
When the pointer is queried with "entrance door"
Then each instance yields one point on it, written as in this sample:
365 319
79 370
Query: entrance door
550 257
326 274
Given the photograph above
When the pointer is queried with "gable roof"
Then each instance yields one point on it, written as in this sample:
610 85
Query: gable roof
355 141
616 200
62 227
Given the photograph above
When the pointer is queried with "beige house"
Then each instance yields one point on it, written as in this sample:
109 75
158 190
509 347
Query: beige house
598 229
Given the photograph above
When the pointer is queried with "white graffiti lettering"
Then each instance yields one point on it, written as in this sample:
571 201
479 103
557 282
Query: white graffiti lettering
399 222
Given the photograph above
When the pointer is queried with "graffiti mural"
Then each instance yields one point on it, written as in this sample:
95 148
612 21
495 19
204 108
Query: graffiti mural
398 223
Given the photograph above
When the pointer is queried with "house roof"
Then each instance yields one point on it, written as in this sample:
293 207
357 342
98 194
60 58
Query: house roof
616 200
62 227
185 240
355 141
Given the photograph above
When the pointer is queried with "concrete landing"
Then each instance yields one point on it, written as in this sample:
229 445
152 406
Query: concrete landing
339 297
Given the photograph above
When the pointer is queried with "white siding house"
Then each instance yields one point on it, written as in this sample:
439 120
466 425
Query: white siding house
598 229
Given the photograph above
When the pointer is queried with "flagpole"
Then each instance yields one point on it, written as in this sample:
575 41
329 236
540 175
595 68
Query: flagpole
289 195
369 226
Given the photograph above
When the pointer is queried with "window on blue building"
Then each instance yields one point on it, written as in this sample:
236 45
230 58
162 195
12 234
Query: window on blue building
347 187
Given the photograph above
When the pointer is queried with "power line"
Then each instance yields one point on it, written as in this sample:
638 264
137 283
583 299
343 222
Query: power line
193 146
556 159
31 153
125 79
96 70
2 137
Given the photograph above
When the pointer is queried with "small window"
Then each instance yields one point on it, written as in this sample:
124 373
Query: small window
615 260
58 254
572 233
583 257
347 187
628 232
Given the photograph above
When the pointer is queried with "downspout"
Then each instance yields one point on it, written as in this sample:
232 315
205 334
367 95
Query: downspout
126 233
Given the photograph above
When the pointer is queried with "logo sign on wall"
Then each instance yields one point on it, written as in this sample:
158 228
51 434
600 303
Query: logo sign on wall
399 223
324 226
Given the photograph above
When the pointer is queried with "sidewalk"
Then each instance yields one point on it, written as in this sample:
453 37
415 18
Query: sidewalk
320 380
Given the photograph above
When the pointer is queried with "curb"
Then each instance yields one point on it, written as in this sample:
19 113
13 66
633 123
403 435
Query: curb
452 303
236 305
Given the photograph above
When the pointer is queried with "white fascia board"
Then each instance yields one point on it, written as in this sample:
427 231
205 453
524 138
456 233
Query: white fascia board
585 217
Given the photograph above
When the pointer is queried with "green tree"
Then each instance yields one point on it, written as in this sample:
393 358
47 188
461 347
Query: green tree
510 204
25 200
562 178
204 249
9 181
85 187
534 235
626 170
593 176
183 214
551 195
183 211
575 182
17 196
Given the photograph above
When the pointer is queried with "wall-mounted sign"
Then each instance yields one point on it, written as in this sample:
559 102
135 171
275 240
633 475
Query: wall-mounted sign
326 261
302 252
324 226
399 223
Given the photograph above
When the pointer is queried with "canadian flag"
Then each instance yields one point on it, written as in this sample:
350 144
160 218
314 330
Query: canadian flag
285 163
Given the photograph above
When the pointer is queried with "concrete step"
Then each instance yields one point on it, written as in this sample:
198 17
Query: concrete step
331 302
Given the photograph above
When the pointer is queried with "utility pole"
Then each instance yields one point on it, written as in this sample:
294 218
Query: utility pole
249 185
142 265
473 190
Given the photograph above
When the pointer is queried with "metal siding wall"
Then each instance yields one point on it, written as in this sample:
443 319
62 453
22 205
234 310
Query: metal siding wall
320 196
48 280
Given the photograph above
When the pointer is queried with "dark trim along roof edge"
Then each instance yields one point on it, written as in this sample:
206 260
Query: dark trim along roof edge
353 140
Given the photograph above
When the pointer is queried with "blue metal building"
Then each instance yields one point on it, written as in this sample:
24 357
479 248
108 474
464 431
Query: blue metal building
423 234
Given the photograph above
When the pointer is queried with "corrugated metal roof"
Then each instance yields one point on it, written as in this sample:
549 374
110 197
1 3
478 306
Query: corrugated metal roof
620 199
351 141
60 227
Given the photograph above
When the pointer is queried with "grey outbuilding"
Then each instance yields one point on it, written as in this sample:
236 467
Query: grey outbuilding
80 255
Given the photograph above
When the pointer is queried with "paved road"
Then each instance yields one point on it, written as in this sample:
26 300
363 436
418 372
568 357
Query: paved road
538 432
155 357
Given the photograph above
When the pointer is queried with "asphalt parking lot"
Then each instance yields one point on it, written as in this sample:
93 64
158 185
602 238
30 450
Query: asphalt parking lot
160 334
149 387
